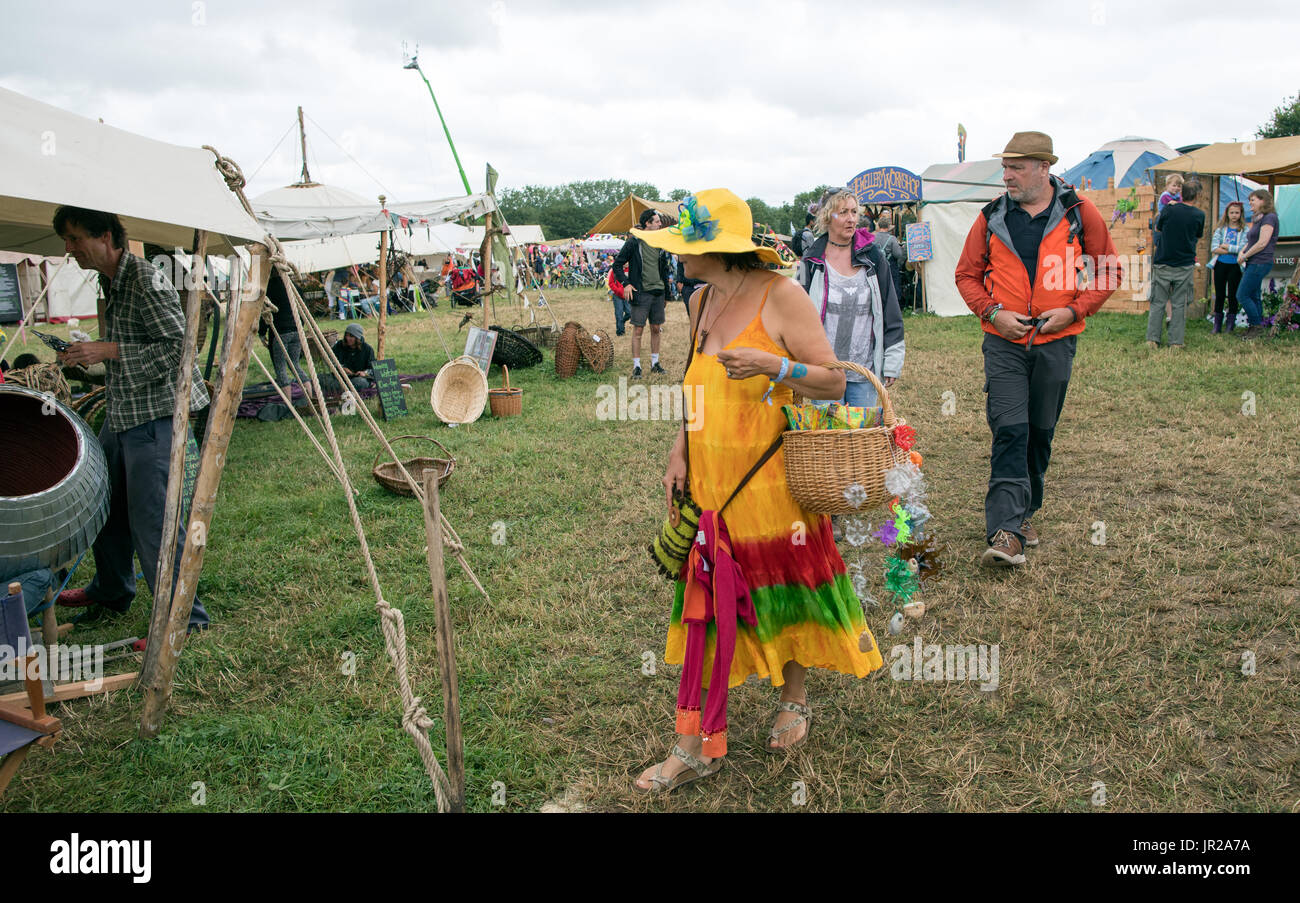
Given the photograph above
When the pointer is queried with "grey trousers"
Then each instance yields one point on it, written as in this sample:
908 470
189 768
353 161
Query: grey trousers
1172 284
138 461
1026 391
282 361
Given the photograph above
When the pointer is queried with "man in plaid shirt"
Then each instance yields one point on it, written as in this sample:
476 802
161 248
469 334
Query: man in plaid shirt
143 333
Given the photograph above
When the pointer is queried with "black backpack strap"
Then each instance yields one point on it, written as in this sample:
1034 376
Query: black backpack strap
771 450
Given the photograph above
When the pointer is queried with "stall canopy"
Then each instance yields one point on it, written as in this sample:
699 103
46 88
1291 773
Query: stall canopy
627 214
1265 160
161 191
312 255
518 235
973 180
296 221
953 195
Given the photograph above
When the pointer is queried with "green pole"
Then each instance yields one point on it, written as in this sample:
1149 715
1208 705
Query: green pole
416 66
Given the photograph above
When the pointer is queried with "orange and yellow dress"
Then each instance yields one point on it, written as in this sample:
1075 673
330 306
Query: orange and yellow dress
807 611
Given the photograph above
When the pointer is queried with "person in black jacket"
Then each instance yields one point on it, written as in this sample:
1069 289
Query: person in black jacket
856 297
646 285
282 320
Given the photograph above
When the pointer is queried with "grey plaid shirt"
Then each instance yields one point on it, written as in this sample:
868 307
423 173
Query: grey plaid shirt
143 315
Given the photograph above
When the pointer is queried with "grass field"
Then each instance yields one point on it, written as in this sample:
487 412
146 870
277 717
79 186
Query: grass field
1120 663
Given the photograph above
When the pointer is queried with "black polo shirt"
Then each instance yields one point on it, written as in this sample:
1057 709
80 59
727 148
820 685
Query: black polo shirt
1027 233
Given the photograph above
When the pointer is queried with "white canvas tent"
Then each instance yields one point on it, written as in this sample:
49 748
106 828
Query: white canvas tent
430 243
299 221
952 196
73 292
161 191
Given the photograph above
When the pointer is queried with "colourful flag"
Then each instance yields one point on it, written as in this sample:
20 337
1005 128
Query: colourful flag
961 143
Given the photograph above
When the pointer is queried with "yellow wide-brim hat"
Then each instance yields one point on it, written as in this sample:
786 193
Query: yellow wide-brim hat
715 221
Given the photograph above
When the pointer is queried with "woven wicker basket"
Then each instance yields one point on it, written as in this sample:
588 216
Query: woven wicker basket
331 336
388 476
506 402
567 355
514 350
821 464
596 349
459 391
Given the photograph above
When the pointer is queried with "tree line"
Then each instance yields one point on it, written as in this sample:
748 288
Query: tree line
572 209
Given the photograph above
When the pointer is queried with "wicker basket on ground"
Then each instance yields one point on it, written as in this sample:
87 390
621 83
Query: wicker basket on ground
596 349
507 401
388 475
822 465
513 350
567 355
459 391
331 336
541 336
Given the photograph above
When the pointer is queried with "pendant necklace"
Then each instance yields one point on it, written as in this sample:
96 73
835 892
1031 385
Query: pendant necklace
704 333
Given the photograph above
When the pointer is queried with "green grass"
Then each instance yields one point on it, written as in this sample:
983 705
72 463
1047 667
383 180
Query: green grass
1120 663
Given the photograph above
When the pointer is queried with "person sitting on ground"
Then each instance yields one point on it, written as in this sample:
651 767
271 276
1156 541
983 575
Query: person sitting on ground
356 357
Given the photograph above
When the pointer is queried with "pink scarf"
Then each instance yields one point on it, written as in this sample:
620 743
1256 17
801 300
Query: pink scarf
715 591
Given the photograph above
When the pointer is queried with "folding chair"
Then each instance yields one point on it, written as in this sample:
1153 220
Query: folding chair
19 729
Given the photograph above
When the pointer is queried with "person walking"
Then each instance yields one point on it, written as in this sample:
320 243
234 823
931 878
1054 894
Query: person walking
643 270
1257 259
1020 273
1180 226
1226 244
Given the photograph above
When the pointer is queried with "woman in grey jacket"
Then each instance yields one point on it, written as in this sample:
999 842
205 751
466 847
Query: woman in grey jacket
846 276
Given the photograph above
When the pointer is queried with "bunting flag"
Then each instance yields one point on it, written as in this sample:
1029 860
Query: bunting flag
961 143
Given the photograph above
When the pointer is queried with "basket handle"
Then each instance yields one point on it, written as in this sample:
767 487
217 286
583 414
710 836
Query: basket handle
450 456
506 370
887 412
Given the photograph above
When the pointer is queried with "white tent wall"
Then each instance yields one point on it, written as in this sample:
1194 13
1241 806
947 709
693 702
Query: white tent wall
73 291
949 225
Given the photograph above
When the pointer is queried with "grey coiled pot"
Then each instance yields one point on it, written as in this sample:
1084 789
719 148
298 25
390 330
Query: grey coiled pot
53 482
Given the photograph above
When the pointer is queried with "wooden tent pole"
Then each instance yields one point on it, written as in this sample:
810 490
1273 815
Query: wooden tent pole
383 287
446 642
176 471
221 422
485 260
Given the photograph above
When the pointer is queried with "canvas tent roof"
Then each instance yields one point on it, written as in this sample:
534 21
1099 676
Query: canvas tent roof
315 254
161 191
519 235
973 180
627 213
295 221
1268 158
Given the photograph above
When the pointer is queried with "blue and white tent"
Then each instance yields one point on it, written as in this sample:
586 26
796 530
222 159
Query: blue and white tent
1127 161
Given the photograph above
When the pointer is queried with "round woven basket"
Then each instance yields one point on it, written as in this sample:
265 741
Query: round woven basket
567 355
506 402
596 349
331 336
513 350
459 391
820 465
388 476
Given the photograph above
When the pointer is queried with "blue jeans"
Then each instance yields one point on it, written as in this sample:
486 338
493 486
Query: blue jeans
859 395
622 312
1248 293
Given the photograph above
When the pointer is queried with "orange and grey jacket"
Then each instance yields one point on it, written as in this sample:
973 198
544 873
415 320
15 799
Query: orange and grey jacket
1077 264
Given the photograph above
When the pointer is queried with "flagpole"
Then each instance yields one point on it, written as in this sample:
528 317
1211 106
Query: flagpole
415 64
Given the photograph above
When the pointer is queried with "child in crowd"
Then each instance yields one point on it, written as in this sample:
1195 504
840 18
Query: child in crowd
1173 191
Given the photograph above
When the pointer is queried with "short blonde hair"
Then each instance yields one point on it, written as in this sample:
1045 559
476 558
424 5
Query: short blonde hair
1173 180
842 199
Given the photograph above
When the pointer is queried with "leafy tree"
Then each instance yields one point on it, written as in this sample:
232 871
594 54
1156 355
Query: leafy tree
1285 122
677 194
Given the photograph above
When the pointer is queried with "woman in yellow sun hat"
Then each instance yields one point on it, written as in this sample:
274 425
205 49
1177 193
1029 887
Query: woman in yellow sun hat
765 591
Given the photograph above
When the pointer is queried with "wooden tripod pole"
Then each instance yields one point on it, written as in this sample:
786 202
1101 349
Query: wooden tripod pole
221 421
446 641
176 471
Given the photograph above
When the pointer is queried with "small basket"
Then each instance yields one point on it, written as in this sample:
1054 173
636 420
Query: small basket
331 336
541 336
506 402
567 355
459 391
821 464
597 350
388 476
513 350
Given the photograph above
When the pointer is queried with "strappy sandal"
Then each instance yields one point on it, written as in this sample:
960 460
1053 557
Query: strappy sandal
804 717
696 769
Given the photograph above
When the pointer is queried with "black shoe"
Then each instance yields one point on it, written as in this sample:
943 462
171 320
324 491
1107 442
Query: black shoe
636 372
100 613
657 369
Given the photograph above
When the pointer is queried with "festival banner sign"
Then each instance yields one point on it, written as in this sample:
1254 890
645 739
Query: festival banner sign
886 185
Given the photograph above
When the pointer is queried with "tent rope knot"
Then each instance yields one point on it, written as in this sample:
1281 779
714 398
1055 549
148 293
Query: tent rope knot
416 715
229 170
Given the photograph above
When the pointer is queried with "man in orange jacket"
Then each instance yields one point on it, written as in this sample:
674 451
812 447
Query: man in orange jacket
1037 262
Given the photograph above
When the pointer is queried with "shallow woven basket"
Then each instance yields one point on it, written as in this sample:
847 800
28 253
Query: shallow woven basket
506 402
388 476
513 350
541 336
331 336
567 355
821 464
459 391
596 349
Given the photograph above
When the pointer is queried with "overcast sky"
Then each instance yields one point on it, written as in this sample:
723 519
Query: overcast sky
765 98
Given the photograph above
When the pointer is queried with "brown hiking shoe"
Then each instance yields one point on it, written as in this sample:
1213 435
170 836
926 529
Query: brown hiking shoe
1003 552
1030 534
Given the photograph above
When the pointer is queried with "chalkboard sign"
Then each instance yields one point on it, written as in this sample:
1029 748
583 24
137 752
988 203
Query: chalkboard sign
191 472
919 245
392 403
11 296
